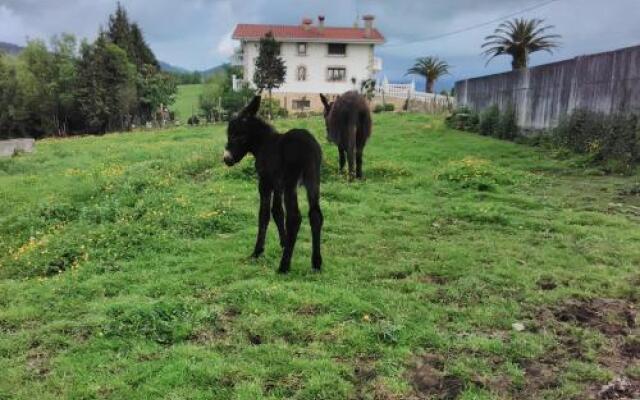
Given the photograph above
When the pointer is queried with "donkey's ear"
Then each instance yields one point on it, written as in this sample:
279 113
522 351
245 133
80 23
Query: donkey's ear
324 101
252 108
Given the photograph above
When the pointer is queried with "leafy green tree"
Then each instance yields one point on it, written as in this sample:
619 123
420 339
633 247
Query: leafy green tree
64 51
106 91
518 39
12 116
210 99
36 75
431 68
270 69
155 89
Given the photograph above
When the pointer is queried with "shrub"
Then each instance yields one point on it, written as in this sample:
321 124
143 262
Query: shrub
389 107
194 120
463 119
489 120
232 102
507 127
378 108
276 109
613 139
620 142
580 131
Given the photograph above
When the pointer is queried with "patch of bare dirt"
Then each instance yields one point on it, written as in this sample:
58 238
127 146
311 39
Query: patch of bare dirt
430 381
609 316
220 331
310 309
620 389
546 283
254 339
434 279
38 363
364 373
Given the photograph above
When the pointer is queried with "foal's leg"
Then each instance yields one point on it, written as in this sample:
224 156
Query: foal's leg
278 216
293 225
350 160
351 150
263 217
343 160
359 163
315 220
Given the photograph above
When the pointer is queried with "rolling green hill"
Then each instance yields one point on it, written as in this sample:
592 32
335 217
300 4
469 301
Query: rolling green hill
187 101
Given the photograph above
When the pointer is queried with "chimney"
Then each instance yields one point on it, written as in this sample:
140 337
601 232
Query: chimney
306 23
368 25
320 23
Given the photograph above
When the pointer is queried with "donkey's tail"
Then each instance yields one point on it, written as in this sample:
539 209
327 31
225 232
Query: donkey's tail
311 174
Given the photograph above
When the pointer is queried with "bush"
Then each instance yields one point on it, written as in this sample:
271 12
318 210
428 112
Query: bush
389 107
507 127
489 120
613 139
463 119
378 109
194 120
621 142
232 102
276 110
580 131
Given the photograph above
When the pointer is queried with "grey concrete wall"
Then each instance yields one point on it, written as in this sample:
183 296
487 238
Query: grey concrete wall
606 82
11 146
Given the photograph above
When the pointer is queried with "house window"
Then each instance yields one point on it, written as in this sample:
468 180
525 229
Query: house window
302 49
337 49
336 74
302 73
301 104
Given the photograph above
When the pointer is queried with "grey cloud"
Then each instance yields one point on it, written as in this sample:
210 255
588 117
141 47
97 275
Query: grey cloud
189 32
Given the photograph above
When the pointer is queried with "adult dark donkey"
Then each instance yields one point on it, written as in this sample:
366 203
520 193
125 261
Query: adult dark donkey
348 122
282 161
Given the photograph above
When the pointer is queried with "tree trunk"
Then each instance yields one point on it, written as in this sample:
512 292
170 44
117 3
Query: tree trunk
270 115
430 83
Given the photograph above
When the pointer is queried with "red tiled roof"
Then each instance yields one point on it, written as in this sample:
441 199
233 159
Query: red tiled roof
291 32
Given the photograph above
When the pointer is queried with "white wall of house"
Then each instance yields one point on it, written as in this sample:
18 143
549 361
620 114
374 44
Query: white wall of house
358 62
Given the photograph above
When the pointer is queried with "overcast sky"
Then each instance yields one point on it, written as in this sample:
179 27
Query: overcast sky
195 34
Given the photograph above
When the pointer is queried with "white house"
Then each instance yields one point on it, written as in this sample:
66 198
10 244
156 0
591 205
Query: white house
319 58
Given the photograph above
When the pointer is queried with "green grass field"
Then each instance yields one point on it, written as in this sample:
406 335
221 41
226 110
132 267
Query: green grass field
462 268
186 101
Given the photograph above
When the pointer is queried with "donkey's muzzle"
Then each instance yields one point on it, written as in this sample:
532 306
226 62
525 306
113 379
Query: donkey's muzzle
228 158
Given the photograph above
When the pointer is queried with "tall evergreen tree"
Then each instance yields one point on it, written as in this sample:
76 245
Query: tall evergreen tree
119 30
106 91
142 53
270 69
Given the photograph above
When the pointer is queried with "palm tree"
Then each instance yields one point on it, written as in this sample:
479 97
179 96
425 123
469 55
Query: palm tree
519 38
432 68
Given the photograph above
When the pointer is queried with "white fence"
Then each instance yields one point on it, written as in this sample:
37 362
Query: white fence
408 91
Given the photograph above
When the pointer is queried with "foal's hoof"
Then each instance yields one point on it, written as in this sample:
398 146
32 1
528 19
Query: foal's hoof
257 253
284 267
316 264
283 271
